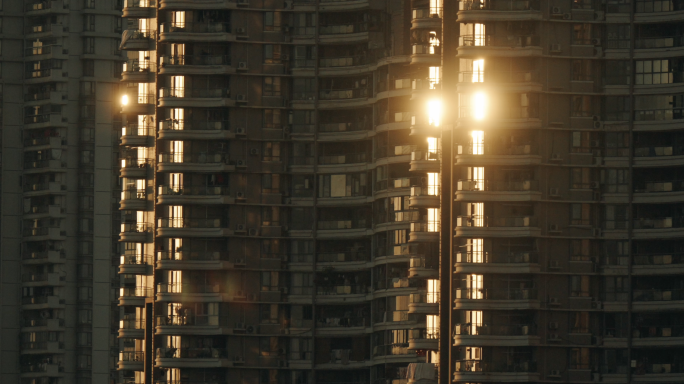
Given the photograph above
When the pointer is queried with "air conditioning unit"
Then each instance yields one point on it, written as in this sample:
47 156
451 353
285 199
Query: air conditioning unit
596 232
239 262
242 65
554 373
240 326
598 52
598 125
554 228
240 228
238 360
553 337
240 163
253 232
284 56
288 4
554 301
556 157
595 143
241 196
251 329
567 16
555 48
242 98
556 11
553 325
240 30
240 131
553 264
554 192
254 151
596 305
595 185
596 42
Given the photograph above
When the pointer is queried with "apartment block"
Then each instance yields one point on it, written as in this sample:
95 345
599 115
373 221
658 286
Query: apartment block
280 195
59 70
566 219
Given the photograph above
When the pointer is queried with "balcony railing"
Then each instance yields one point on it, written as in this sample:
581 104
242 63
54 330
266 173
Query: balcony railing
188 288
656 223
484 366
431 226
424 298
342 224
342 321
40 322
133 130
392 316
196 27
343 61
191 320
192 353
498 77
486 329
137 259
200 158
427 13
391 350
511 41
659 186
499 5
136 65
134 194
194 125
657 151
498 185
397 282
657 294
189 223
344 94
132 356
651 6
135 292
496 293
38 231
141 3
135 163
343 29
195 93
658 42
341 127
41 255
496 258
136 227
341 290
192 255
132 324
495 221
195 60
425 334
193 190
344 256
348 158
658 259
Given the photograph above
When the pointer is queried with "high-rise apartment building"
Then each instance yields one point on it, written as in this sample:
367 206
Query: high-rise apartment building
280 210
60 66
566 217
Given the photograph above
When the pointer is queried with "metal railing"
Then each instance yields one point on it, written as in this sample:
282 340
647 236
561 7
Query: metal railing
427 13
496 258
201 158
344 94
345 321
194 190
132 324
197 93
499 5
132 356
498 76
496 293
138 259
424 298
485 366
668 150
192 255
189 223
134 194
202 59
191 320
487 329
344 256
657 294
137 65
495 221
137 130
140 3
658 42
188 288
192 353
657 222
135 292
511 41
658 186
344 28
136 227
193 125
347 158
498 185
341 290
135 163
196 27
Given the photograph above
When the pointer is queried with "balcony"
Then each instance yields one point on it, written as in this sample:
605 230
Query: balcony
44 166
132 328
207 195
140 9
341 5
44 324
41 302
423 339
134 199
209 31
347 158
42 279
189 227
138 40
503 335
135 135
36 370
653 226
204 64
488 262
496 298
503 46
202 162
658 42
418 373
426 54
424 231
424 303
393 352
134 296
195 97
512 226
44 120
136 264
195 130
193 260
346 293
397 183
344 33
425 161
356 96
139 71
497 190
135 168
427 18
46 7
140 104
44 233
657 299
658 191
136 233
42 189
421 268
42 347
43 257
192 358
499 5
473 370
653 156
333 258
131 360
